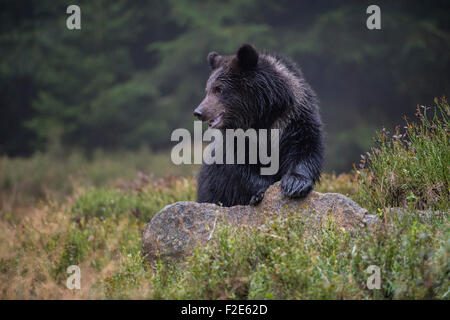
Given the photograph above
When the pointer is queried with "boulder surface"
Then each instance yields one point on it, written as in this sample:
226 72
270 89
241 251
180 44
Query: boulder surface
179 226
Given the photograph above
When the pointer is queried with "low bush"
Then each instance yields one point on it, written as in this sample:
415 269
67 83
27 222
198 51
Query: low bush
411 168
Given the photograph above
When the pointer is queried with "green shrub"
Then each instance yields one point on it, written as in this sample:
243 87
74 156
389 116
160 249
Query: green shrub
76 248
285 260
411 168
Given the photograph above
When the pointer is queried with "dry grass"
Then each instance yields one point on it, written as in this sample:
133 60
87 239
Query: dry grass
96 220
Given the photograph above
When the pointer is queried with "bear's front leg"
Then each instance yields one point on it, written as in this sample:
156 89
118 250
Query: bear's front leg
296 186
257 197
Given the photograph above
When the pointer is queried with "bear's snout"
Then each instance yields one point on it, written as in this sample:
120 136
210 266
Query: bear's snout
209 109
198 113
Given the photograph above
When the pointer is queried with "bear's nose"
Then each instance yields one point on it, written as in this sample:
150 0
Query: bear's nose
198 113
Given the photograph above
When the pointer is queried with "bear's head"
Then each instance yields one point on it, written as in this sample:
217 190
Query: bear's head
243 91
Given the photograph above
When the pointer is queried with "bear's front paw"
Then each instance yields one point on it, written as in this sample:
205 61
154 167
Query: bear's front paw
256 198
296 186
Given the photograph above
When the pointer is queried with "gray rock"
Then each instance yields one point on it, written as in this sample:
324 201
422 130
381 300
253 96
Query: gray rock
179 226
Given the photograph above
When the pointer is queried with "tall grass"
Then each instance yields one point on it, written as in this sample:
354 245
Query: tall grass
50 176
285 260
411 168
98 230
95 220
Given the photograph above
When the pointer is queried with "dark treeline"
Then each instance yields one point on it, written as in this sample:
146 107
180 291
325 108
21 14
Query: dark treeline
136 69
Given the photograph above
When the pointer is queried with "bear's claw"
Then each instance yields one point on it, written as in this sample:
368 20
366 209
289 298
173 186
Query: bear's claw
296 187
256 198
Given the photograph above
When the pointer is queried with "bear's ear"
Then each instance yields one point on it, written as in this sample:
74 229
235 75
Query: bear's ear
247 57
214 59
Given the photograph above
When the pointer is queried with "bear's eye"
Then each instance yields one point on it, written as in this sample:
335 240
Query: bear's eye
217 90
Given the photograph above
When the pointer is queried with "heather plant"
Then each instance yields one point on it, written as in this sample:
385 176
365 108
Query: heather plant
411 167
98 227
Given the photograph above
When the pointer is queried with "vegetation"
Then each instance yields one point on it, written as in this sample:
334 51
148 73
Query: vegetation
98 227
412 168
55 175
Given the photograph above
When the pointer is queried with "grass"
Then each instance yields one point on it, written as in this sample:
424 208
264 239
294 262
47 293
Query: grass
96 219
412 167
97 230
56 175
283 260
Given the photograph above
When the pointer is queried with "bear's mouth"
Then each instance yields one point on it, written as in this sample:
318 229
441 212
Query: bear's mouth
215 122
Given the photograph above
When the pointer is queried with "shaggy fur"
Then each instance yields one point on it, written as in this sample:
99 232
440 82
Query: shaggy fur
255 90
